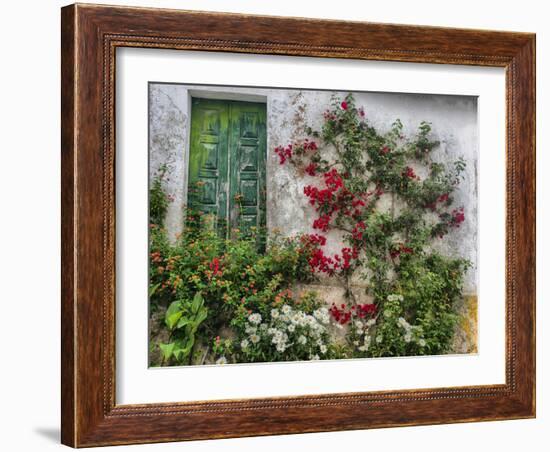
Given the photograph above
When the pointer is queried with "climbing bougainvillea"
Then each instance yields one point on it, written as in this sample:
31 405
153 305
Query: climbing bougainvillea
389 200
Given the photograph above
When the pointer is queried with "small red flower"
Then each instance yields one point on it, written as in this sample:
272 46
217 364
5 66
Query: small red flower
310 145
409 172
444 197
344 105
311 169
366 309
401 249
215 267
284 153
357 231
322 223
457 217
314 239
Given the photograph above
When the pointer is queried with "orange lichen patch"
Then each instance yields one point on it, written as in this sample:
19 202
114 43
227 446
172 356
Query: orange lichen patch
466 338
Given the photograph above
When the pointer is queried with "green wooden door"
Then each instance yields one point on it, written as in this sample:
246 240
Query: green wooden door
227 162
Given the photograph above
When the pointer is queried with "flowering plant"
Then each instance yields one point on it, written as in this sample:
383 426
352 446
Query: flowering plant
389 200
285 332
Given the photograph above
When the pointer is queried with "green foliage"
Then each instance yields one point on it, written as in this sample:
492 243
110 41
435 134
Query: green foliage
158 201
183 319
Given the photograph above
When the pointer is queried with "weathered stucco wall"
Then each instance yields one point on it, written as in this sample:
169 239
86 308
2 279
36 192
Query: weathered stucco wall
454 124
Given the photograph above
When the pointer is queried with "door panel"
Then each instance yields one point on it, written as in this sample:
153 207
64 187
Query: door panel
208 159
227 162
247 170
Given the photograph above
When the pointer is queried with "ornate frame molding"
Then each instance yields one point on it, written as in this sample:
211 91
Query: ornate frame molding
90 37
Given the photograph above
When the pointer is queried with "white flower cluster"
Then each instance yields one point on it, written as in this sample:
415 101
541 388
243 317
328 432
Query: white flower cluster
362 331
394 297
255 318
411 332
288 330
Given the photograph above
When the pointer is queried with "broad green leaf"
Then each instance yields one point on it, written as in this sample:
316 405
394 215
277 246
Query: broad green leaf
167 350
179 350
173 314
197 302
189 344
201 316
179 354
183 322
153 289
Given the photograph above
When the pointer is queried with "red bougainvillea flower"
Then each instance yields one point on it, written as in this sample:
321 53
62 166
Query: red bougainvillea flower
340 314
310 145
384 150
409 172
329 199
333 179
361 112
443 198
358 202
284 153
322 223
457 217
347 256
324 264
365 309
357 232
406 249
311 169
344 105
401 249
330 265
316 239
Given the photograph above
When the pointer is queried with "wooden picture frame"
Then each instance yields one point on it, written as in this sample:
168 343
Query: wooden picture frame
90 36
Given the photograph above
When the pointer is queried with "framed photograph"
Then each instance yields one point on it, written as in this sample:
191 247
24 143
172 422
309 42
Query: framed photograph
280 225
